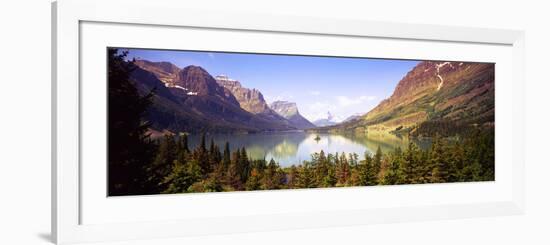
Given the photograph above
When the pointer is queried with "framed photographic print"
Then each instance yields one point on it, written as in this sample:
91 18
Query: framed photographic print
168 125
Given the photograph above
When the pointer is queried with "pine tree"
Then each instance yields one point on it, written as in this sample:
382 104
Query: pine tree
329 180
292 177
214 181
474 171
184 142
355 177
343 171
457 162
438 161
226 156
236 157
272 178
130 148
217 155
260 165
201 155
212 146
362 172
394 174
411 164
481 149
214 156
377 164
425 168
180 179
321 164
369 174
233 177
244 166
254 181
164 162
305 176
353 159
182 156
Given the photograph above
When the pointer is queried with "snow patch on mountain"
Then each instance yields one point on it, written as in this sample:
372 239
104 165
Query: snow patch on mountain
438 66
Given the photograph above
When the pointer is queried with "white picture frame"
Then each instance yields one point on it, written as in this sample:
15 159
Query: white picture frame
68 17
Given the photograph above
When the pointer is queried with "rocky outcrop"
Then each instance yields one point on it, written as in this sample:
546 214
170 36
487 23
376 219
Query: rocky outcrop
289 110
250 100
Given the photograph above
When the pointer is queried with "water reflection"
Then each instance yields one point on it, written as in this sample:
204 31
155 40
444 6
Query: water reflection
289 148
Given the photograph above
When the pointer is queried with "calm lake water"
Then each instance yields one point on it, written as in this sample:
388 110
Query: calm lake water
288 148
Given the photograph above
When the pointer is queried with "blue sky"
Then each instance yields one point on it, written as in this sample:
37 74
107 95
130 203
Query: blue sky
343 86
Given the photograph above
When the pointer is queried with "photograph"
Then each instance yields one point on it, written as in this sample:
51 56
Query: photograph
188 121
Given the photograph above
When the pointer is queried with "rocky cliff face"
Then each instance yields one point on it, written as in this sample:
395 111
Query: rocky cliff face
289 110
450 93
251 100
285 108
165 71
191 81
197 81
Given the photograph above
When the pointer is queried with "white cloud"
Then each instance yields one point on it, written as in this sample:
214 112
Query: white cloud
211 55
316 110
318 106
313 116
346 101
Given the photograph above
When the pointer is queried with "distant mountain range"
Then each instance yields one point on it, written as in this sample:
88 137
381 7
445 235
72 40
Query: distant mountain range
433 97
353 117
191 100
328 121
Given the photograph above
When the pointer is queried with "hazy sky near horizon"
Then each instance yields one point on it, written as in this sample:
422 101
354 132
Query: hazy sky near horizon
343 86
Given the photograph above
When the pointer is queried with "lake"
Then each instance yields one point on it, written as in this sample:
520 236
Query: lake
288 148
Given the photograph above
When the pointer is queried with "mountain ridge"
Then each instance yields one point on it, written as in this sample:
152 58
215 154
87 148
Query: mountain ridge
448 95
192 101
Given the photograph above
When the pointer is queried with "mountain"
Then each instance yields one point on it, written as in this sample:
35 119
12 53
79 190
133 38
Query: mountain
353 117
165 71
434 97
191 100
289 110
251 100
328 121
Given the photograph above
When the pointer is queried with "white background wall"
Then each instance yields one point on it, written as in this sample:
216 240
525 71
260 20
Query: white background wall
25 122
